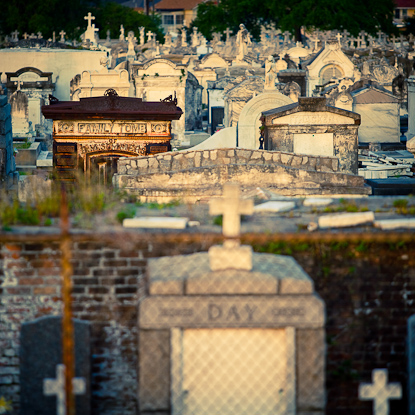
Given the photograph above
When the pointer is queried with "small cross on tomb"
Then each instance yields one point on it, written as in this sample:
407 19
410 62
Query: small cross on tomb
89 17
339 37
346 34
15 35
231 207
57 387
231 255
39 35
380 391
25 36
149 36
62 33
228 33
380 36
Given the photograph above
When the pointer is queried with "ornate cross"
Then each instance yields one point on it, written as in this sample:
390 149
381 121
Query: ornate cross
57 387
380 391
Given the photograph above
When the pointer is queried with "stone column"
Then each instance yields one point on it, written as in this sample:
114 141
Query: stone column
410 135
7 163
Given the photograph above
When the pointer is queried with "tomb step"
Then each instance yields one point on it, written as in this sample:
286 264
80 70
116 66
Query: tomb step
45 159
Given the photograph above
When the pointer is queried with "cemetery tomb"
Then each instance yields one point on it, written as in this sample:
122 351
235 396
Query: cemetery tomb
93 133
28 89
312 127
230 331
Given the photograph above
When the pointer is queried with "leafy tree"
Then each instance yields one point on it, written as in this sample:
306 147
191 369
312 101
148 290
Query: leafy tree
111 16
48 16
291 15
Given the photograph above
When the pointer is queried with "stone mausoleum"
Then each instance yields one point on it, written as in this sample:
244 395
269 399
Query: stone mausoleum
90 135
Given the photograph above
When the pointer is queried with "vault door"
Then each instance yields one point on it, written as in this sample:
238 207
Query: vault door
230 372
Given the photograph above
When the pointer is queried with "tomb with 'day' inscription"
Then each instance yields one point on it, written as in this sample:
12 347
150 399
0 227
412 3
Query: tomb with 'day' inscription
231 331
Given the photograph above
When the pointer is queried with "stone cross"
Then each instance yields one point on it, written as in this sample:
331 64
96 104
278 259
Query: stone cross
393 40
228 33
231 255
346 34
19 84
89 17
15 35
315 41
380 36
57 387
339 38
62 33
32 36
149 36
287 35
25 36
39 35
231 207
380 391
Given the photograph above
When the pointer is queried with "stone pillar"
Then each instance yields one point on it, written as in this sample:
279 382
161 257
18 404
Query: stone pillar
7 163
410 135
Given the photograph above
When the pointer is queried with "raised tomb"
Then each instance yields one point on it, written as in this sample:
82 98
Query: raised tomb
93 133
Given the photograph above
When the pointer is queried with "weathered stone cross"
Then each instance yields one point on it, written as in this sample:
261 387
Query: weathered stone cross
228 33
231 255
62 33
380 391
57 387
231 207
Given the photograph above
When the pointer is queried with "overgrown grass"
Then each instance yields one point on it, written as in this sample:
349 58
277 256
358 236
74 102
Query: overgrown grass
86 204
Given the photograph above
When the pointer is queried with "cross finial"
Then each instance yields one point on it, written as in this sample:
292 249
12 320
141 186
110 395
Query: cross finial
62 33
89 17
380 391
231 206
231 255
57 387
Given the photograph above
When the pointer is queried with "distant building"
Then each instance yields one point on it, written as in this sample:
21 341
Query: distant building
176 13
403 10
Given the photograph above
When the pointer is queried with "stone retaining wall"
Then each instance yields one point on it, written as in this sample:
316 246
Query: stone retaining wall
185 160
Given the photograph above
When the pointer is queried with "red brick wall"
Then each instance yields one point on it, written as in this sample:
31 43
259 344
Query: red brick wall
369 291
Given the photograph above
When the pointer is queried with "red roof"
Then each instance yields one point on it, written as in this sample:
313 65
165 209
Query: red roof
177 4
405 4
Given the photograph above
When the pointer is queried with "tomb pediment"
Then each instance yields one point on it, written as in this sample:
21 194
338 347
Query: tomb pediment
373 96
213 60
